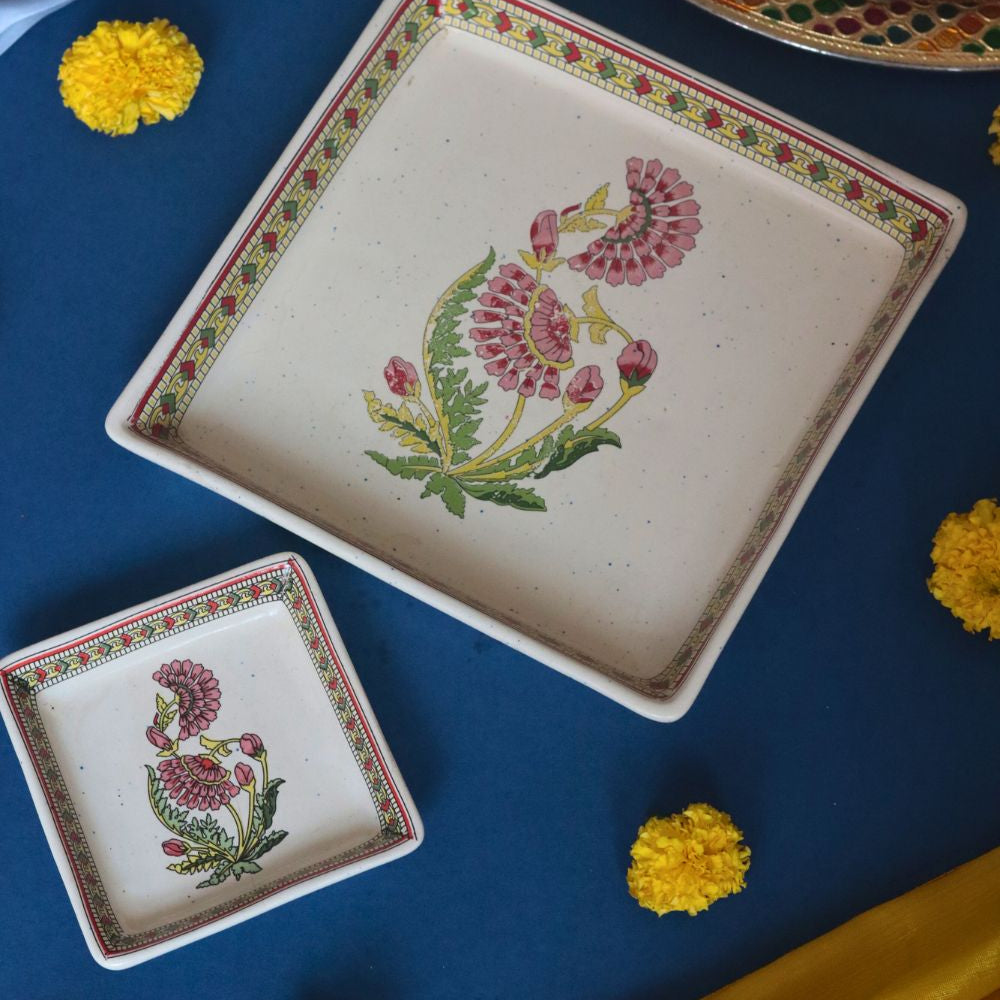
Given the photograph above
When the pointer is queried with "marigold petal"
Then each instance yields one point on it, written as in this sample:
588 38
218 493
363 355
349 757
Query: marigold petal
966 577
124 72
687 861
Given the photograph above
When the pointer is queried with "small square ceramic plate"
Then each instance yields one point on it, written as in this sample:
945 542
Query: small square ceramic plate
548 331
202 758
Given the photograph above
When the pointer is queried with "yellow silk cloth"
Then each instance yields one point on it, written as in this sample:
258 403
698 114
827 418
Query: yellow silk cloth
938 942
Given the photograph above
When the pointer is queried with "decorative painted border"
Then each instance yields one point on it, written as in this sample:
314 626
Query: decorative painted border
929 35
913 221
287 207
283 582
538 34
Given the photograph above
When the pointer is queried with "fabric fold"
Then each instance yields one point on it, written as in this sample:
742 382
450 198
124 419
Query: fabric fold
17 16
940 941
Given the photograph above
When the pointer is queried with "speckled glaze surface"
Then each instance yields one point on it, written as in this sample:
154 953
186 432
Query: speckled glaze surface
921 33
202 758
547 331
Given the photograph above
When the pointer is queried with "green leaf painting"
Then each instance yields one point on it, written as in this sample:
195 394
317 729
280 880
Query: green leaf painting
527 336
219 812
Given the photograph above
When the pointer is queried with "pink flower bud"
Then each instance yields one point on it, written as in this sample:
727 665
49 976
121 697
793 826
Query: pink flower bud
401 377
243 774
175 848
159 739
637 362
585 386
545 234
251 744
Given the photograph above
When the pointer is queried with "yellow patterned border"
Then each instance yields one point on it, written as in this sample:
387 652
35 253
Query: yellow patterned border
23 682
695 107
300 190
917 225
514 25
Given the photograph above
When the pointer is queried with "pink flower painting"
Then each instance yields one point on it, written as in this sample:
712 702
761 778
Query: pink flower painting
524 333
637 362
197 782
523 323
196 691
401 377
653 234
236 799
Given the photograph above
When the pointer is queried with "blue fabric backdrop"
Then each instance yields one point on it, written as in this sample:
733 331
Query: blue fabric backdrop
850 726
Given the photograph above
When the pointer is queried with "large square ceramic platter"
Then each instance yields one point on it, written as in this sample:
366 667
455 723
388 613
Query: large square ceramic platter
202 758
547 331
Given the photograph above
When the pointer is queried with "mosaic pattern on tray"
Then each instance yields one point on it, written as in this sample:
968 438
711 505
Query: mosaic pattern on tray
917 228
23 682
964 32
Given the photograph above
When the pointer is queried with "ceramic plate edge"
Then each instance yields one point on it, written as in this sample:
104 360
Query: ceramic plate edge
287 895
658 709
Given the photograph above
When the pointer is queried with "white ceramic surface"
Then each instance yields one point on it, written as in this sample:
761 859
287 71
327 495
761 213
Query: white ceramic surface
795 264
17 16
80 709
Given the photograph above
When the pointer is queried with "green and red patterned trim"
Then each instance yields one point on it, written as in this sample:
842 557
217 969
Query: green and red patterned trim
282 582
559 43
916 223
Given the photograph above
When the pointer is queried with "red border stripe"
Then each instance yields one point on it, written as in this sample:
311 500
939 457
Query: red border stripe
754 113
251 231
354 700
651 64
224 585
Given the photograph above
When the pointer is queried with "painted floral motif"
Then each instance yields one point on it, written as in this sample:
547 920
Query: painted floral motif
401 377
197 782
585 386
196 691
525 332
652 233
185 783
533 340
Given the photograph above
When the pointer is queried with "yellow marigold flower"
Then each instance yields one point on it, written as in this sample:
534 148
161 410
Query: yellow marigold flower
687 861
994 129
966 577
124 70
